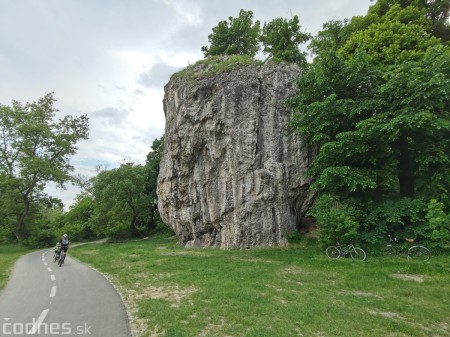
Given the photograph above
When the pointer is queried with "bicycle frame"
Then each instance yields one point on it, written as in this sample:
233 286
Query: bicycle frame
346 250
62 257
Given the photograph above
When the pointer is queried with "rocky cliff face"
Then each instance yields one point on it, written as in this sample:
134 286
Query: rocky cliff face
231 176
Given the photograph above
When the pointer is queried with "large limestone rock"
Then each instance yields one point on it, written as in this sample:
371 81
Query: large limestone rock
231 176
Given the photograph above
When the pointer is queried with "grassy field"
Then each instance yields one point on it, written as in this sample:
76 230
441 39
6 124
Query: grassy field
8 255
295 291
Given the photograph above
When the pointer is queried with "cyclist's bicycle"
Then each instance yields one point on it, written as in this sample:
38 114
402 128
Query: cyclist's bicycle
62 257
56 255
418 252
356 253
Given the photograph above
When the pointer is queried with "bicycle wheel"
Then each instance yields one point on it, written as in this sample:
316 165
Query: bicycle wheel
358 254
419 253
61 260
333 252
390 250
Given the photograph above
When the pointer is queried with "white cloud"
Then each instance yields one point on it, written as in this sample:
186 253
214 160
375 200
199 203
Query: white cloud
157 76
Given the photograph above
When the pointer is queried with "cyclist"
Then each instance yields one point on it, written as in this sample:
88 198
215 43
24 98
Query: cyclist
57 250
64 243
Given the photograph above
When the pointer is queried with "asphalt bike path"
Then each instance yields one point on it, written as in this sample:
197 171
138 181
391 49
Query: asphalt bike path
43 299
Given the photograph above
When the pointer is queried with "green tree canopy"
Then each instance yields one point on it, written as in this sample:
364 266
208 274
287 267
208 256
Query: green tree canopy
34 149
238 36
434 12
282 38
120 202
124 199
375 103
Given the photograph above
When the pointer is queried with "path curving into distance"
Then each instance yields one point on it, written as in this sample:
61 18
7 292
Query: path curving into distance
42 299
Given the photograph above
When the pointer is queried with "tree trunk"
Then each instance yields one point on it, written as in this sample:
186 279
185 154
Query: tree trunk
21 218
134 230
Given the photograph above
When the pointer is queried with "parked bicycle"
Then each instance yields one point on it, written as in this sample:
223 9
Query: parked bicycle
356 253
418 252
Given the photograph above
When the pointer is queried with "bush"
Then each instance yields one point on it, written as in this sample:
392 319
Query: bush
293 237
437 229
41 238
7 235
336 220
76 231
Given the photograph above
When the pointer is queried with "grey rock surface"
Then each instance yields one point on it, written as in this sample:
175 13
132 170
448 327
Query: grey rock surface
231 176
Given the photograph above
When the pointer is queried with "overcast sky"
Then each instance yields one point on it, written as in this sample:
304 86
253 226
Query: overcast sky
110 59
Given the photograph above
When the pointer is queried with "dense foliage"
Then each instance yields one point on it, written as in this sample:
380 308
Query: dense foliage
375 103
280 38
239 36
118 203
34 150
123 200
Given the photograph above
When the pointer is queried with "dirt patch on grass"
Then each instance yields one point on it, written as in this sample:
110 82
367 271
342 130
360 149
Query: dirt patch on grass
152 276
386 314
252 259
172 293
408 277
294 270
182 252
362 294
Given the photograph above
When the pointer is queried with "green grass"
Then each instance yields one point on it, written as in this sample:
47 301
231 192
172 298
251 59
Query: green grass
8 255
295 291
215 65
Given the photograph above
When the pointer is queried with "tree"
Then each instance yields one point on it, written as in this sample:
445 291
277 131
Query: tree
34 150
375 102
239 36
399 36
152 166
119 203
282 38
121 206
76 222
435 14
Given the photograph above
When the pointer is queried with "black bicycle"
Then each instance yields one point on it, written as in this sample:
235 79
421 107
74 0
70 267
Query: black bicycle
417 252
62 257
56 255
356 253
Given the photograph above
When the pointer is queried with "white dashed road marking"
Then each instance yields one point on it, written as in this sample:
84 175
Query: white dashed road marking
52 277
39 321
53 292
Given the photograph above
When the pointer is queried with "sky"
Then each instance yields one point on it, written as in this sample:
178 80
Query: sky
110 60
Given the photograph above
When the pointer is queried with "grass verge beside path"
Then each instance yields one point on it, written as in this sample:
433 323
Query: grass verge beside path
8 255
273 292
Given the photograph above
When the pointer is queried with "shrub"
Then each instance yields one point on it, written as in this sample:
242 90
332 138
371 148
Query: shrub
437 230
337 221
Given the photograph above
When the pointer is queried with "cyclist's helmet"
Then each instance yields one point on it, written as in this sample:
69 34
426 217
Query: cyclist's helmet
65 236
